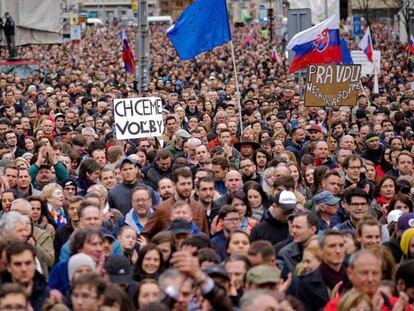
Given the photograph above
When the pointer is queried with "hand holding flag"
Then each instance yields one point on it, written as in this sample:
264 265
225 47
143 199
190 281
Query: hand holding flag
411 44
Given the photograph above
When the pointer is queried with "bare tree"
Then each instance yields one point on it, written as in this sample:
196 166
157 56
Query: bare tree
405 8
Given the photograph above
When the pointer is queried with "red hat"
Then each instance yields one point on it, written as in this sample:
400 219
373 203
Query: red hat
315 127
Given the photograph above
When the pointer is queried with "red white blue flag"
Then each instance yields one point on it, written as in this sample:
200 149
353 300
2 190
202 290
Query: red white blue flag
249 38
319 44
411 43
366 45
275 57
127 56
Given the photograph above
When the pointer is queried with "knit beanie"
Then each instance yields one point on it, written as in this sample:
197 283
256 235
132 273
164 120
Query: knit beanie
405 240
77 261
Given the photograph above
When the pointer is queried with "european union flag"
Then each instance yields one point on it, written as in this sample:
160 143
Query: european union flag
201 27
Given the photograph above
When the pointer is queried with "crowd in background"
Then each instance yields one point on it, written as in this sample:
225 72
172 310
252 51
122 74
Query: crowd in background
297 208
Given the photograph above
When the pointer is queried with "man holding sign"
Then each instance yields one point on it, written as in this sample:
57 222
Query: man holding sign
138 117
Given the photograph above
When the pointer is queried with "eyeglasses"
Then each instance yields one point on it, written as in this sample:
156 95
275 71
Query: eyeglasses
232 219
82 296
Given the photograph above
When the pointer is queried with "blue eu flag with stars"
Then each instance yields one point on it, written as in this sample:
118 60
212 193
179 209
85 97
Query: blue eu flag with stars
202 26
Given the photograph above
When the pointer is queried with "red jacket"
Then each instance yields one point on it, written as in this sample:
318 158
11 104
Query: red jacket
332 305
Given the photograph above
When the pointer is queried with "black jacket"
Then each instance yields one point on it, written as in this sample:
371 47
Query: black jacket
312 291
40 291
290 256
270 229
62 235
153 175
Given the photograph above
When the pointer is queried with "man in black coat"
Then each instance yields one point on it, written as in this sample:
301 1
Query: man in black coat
314 288
274 226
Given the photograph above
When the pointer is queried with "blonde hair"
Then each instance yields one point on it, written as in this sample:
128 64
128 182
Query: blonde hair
48 190
352 299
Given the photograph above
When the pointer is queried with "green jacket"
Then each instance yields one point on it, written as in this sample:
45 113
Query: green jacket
60 171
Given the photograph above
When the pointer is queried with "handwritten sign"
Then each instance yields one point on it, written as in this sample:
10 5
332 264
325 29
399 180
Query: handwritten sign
360 58
332 85
138 117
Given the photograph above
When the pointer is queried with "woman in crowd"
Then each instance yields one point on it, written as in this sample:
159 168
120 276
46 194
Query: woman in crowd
148 291
257 199
238 200
238 243
39 215
149 264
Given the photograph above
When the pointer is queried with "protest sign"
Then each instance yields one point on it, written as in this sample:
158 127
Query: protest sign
332 85
75 33
360 58
138 117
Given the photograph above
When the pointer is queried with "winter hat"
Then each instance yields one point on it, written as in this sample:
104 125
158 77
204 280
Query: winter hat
405 240
79 260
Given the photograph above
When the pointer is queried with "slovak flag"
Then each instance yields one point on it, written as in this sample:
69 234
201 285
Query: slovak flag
411 43
366 45
319 44
275 57
249 38
127 56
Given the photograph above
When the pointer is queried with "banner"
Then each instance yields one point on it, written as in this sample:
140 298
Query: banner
359 57
138 117
332 85
75 33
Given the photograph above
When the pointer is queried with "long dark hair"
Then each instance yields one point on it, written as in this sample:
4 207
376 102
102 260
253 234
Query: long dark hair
379 184
139 273
252 185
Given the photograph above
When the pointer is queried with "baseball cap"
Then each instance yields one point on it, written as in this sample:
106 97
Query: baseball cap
326 197
59 115
70 181
217 270
394 215
281 115
182 134
406 221
118 269
66 129
107 234
263 274
286 200
127 160
180 226
315 127
408 134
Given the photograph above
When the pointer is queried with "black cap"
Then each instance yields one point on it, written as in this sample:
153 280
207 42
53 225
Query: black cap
180 226
70 181
66 129
127 160
217 270
118 269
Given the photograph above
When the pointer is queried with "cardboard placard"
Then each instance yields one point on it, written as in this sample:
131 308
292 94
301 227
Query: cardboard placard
138 117
332 85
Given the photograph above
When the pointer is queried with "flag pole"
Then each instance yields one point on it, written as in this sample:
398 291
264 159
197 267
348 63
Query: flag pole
233 56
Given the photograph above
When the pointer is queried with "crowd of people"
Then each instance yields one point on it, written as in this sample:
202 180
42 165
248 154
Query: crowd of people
297 208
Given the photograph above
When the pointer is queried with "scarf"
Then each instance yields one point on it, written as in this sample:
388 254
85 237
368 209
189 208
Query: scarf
332 277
